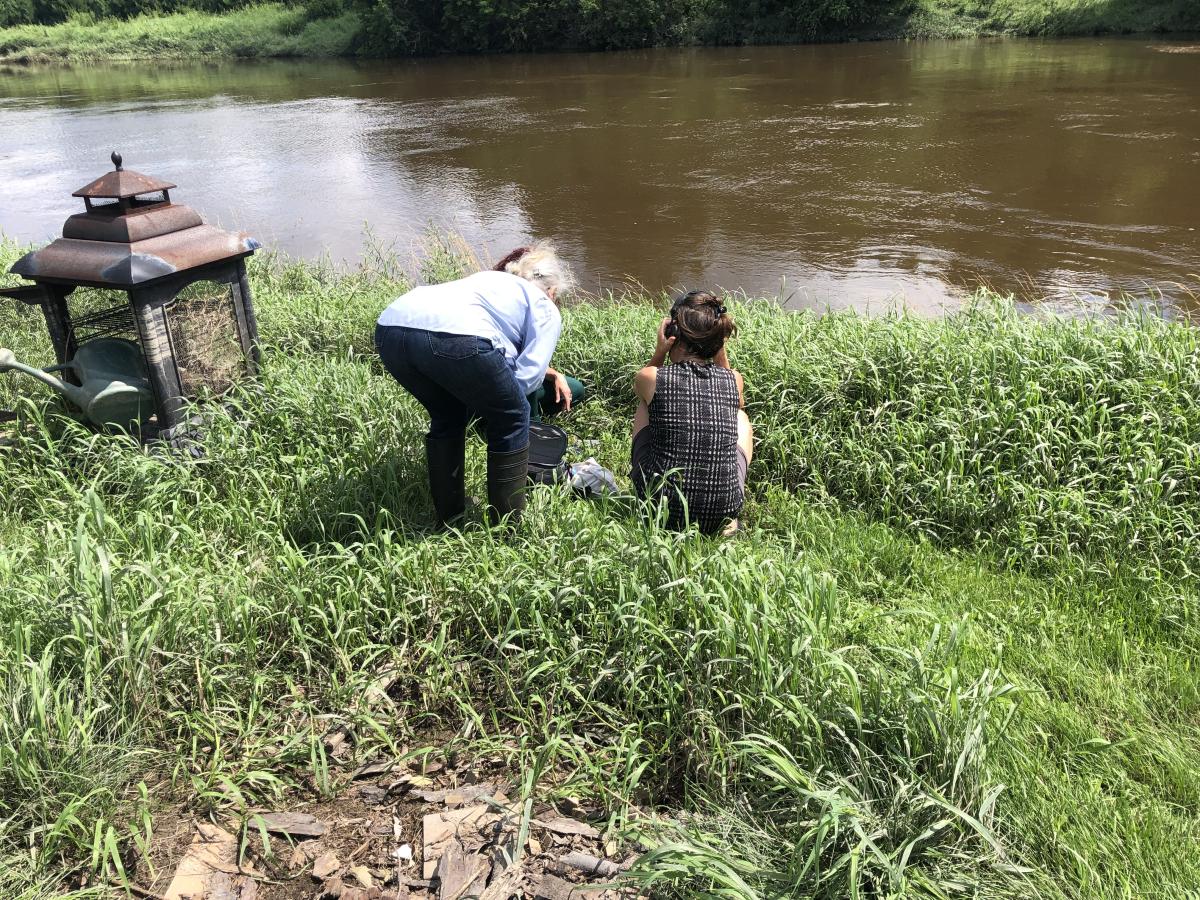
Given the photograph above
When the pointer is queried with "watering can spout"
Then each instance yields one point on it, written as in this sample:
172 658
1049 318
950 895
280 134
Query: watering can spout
70 391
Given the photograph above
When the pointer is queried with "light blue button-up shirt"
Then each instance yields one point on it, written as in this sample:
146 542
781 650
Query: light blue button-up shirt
514 314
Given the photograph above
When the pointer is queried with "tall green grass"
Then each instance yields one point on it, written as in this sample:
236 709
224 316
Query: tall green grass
268 30
952 655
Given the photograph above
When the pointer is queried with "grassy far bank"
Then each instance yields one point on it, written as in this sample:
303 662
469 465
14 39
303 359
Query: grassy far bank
319 30
954 652
254 32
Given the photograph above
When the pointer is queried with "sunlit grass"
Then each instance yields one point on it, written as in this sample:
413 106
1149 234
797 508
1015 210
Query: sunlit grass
267 30
953 653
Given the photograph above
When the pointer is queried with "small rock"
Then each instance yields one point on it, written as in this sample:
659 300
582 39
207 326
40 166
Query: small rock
333 889
303 853
591 865
467 793
326 865
372 795
363 876
551 887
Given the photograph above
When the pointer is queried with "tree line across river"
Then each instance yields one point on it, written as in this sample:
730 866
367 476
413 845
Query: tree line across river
409 27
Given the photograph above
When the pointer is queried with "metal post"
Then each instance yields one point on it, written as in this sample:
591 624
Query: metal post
247 321
58 322
155 334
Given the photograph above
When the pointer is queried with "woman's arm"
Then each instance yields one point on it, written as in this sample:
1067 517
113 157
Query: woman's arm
647 377
538 340
741 386
562 390
663 347
644 382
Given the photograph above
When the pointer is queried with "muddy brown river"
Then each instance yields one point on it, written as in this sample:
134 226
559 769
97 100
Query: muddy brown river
832 176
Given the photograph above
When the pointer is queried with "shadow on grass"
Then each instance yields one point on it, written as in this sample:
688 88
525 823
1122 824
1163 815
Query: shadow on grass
389 495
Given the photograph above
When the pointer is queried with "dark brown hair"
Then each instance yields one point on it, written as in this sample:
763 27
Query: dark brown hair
702 324
512 257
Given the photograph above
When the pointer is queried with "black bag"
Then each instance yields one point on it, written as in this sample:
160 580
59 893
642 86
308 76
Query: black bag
547 447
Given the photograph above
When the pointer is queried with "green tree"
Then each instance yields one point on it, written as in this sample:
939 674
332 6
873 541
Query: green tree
15 12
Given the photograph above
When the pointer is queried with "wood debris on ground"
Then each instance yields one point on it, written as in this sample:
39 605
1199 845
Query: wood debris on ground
290 824
209 869
430 833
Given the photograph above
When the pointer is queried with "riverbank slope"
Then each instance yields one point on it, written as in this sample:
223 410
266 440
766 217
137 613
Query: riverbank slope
954 646
334 29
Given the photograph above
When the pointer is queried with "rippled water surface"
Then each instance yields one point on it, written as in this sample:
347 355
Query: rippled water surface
841 175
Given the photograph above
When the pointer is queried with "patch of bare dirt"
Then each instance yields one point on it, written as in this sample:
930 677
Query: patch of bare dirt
397 831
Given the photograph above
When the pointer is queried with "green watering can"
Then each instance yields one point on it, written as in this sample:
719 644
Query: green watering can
113 387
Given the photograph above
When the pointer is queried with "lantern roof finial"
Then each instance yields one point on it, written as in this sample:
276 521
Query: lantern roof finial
121 184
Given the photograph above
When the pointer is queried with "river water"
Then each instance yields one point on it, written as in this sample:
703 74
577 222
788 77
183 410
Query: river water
832 175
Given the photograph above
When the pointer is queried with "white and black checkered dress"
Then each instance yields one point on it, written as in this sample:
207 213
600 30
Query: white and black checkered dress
693 443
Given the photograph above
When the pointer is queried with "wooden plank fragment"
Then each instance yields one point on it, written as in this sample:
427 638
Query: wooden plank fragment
563 825
291 824
461 873
209 869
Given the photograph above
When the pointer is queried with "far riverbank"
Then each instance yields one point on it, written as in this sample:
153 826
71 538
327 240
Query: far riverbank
335 29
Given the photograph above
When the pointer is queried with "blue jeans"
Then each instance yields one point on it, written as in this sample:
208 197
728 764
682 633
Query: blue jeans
457 377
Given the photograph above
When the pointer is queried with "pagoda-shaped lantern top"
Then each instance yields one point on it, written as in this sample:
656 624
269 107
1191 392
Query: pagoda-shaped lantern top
186 302
131 234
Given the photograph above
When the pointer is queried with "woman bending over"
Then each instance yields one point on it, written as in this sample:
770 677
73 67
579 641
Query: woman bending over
477 346
692 440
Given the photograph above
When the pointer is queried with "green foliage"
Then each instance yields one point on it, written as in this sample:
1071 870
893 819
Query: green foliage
955 645
428 26
255 31
15 12
173 28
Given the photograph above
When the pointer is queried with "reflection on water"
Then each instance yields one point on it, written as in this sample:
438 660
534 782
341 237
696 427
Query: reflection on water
832 175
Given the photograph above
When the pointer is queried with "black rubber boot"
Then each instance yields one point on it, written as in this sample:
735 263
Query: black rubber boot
506 484
446 459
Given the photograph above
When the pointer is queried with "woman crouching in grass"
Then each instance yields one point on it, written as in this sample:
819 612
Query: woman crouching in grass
692 440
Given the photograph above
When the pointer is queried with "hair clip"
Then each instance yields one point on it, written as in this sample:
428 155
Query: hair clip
721 310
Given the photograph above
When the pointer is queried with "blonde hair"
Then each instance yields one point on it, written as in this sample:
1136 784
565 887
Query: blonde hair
541 265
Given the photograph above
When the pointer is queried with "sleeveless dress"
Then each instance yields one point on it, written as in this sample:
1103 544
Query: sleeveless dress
692 453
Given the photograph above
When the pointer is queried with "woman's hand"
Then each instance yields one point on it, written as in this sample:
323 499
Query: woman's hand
664 345
562 391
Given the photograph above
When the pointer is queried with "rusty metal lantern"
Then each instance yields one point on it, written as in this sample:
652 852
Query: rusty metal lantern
187 299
